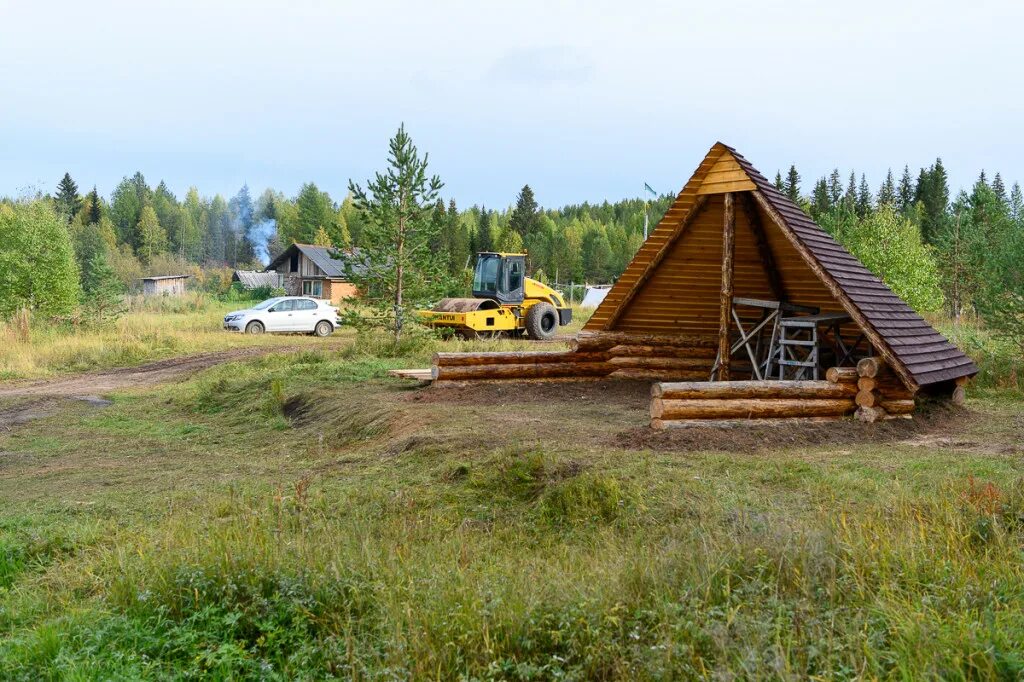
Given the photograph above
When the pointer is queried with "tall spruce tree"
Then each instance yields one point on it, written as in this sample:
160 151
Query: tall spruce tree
887 192
395 267
484 235
95 211
905 191
779 184
933 194
67 201
999 189
850 197
863 197
1015 205
791 186
525 216
821 203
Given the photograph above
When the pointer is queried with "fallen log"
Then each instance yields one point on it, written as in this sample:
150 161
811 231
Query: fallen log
539 370
841 375
731 390
591 340
626 350
872 367
659 374
514 358
666 424
750 408
632 362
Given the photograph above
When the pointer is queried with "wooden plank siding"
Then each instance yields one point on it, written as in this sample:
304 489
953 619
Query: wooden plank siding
680 293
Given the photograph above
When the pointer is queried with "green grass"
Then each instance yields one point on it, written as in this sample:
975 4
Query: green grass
301 517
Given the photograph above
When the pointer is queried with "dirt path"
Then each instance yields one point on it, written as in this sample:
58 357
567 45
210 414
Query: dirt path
99 383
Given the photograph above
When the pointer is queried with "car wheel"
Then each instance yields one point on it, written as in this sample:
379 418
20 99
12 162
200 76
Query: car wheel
255 328
323 328
542 321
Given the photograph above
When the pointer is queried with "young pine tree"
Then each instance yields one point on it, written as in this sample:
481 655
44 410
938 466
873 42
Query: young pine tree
395 267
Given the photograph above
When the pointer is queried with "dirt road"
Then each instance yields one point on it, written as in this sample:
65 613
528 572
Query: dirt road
45 397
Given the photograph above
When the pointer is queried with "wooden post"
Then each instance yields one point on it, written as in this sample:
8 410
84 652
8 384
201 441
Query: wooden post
728 250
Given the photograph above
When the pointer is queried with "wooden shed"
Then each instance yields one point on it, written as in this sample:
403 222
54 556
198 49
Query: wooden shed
164 285
738 284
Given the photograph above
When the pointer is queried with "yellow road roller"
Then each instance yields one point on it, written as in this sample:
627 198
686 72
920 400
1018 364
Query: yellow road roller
505 303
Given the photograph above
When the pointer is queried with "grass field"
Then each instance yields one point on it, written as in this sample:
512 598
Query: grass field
298 516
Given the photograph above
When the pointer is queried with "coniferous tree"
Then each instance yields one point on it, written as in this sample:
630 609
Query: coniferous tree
933 194
835 189
791 186
999 189
905 192
103 292
94 206
779 185
315 210
395 267
244 223
887 192
821 202
67 201
1015 205
863 197
130 195
484 237
850 197
525 215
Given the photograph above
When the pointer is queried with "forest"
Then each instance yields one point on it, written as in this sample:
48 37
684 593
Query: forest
72 252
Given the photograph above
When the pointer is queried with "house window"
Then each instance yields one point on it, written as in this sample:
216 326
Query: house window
311 287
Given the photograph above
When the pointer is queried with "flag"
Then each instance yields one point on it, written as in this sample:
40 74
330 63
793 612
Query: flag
650 189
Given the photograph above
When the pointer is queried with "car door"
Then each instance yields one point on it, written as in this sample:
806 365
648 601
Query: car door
306 314
279 317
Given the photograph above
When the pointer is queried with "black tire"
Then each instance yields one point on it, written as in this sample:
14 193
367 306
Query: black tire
255 328
542 321
323 328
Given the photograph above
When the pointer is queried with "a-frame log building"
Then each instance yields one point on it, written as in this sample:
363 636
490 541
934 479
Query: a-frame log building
739 306
730 234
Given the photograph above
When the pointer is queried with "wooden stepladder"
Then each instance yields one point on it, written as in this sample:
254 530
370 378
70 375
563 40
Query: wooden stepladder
795 354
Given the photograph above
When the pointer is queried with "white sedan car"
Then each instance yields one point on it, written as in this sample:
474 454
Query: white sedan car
289 314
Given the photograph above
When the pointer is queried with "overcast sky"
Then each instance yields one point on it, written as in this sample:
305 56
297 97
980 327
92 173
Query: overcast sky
583 101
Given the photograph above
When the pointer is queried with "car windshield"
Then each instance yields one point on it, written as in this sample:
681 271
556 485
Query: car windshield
265 304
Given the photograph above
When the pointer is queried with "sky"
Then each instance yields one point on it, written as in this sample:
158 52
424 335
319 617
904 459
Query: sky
584 101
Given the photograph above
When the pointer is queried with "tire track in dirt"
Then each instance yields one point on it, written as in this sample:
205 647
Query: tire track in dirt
48 396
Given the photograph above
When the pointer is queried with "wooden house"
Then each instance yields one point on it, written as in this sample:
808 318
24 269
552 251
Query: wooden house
738 284
164 285
317 271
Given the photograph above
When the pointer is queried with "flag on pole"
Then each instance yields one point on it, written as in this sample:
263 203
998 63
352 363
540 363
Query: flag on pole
650 189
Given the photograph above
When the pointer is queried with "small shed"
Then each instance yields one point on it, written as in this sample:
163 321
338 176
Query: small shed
317 271
164 285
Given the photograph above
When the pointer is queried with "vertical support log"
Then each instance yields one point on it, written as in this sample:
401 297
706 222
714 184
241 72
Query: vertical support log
728 249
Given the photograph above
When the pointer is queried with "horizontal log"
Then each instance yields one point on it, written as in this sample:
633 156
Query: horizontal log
525 371
750 408
889 386
667 424
842 375
872 367
514 358
595 341
624 362
730 390
898 406
660 374
627 350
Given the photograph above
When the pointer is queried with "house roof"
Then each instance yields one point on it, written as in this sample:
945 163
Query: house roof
252 279
329 259
659 289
